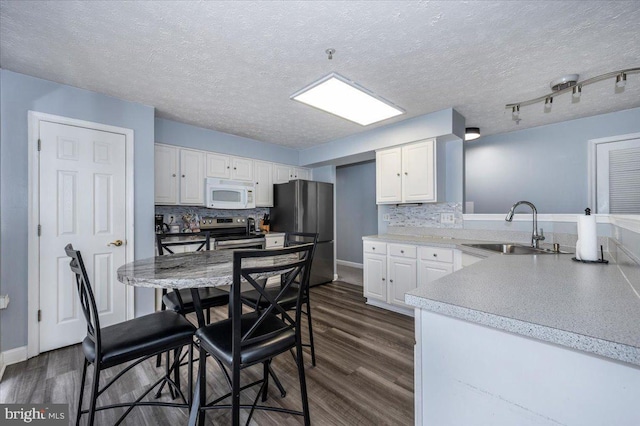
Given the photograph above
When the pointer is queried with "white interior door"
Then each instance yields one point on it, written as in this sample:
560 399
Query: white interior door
82 202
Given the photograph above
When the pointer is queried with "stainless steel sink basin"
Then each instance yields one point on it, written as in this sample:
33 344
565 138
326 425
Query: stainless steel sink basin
509 248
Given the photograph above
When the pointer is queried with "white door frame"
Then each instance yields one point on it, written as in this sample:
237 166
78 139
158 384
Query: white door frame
34 119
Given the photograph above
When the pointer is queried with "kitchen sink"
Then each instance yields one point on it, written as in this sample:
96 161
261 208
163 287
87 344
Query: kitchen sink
510 248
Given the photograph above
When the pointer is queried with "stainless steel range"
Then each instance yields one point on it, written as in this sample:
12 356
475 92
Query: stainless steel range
231 233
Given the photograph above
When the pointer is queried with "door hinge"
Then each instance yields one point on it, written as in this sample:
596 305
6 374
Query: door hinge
39 145
39 230
39 315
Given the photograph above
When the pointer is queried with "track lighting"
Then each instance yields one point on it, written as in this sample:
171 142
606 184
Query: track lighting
515 112
577 91
570 82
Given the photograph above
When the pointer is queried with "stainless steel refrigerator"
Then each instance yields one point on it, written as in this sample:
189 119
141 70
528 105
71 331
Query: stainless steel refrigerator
307 206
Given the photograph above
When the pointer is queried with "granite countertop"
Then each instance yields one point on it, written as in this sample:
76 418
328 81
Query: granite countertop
590 307
209 268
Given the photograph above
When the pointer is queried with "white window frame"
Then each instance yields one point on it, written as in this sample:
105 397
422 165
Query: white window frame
592 169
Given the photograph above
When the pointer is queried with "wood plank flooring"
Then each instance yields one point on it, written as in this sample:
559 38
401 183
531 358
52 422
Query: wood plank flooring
364 372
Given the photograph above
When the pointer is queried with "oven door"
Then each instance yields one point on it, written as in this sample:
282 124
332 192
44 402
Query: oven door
252 243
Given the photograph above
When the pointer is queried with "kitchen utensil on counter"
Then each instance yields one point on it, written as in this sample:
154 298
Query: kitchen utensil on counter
160 225
251 225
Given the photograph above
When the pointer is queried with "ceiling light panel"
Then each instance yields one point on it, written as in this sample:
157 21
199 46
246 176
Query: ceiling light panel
339 96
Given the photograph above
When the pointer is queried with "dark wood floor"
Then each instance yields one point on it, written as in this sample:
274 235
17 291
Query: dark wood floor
364 372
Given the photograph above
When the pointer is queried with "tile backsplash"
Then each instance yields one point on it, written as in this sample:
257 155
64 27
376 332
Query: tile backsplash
422 216
178 211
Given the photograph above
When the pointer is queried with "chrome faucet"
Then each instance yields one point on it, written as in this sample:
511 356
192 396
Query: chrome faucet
535 237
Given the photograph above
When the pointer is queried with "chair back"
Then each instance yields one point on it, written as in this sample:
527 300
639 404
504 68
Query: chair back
203 241
293 263
296 238
87 300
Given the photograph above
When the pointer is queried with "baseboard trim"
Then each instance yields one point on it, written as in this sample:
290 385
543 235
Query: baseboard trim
347 263
12 356
404 311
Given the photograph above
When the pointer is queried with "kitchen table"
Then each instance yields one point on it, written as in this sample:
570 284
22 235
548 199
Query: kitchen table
191 270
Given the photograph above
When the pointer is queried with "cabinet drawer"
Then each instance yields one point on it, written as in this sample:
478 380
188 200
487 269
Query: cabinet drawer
436 254
375 247
402 250
274 242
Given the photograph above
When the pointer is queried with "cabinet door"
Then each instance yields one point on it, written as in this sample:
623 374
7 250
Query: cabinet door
388 178
191 177
418 172
241 169
281 173
375 277
263 173
218 166
402 278
429 271
166 174
299 173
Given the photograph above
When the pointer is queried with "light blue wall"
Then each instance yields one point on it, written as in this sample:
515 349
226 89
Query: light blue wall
356 212
546 165
187 136
19 94
362 146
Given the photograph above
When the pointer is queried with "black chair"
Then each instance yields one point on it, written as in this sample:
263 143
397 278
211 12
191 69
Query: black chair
256 337
182 300
134 340
255 299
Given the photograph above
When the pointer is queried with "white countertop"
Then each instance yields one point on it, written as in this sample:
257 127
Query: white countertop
590 307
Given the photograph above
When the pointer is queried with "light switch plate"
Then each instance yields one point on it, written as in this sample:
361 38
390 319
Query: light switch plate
447 218
4 301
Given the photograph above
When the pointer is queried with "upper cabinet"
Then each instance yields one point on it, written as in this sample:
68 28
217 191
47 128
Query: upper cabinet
407 174
229 167
218 166
179 175
263 173
166 174
283 173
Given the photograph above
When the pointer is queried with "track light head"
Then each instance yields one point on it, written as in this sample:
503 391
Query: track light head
577 91
548 103
621 80
515 112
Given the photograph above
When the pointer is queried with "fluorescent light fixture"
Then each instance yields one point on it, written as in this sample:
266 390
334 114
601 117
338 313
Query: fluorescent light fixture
471 133
344 98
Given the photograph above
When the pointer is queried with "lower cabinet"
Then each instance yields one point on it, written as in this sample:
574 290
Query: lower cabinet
391 270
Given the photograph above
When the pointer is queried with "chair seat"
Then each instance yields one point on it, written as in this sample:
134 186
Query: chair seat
287 300
139 337
217 338
209 298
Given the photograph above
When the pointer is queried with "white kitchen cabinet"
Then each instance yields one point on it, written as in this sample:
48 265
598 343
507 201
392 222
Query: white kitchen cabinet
241 169
375 276
274 240
401 266
218 166
407 174
434 263
166 174
388 176
263 173
283 173
300 173
191 177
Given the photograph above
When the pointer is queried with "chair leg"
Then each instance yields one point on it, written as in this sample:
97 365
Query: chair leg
303 384
94 393
84 376
235 395
313 348
265 373
190 375
202 391
283 392
176 373
209 316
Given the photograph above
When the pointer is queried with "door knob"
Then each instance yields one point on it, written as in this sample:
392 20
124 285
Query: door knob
116 243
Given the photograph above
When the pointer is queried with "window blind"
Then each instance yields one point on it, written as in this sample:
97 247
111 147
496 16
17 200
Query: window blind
624 181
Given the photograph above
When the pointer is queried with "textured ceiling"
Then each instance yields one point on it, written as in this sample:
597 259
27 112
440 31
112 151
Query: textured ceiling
231 66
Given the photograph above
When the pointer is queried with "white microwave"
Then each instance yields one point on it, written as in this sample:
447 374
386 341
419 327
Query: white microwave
229 194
